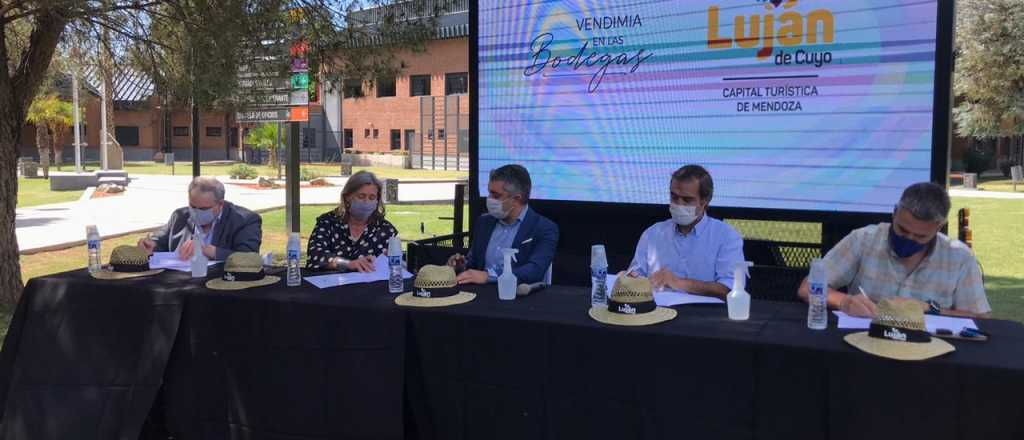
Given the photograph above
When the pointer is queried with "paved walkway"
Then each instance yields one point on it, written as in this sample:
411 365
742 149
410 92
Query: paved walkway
150 199
973 193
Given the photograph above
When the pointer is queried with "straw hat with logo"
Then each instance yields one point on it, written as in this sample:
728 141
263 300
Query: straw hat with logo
127 262
632 303
242 270
434 286
898 332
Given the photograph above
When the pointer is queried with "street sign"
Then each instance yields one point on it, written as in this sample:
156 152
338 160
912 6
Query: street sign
299 97
265 83
281 114
299 114
300 80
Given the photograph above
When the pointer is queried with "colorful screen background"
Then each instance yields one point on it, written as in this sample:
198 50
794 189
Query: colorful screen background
853 147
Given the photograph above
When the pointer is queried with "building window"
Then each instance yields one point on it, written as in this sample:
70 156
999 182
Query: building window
396 139
127 136
366 132
456 83
376 133
440 133
348 138
419 85
214 132
353 88
385 87
181 131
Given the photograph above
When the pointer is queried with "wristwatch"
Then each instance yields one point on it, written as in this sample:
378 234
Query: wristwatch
341 263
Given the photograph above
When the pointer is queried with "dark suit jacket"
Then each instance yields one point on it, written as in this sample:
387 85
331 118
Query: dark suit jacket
534 257
237 230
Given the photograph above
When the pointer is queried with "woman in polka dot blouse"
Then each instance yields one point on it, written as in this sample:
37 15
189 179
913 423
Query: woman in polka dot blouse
351 236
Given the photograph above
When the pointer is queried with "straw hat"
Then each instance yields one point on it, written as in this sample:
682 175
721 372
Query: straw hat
242 270
632 303
898 332
435 286
126 262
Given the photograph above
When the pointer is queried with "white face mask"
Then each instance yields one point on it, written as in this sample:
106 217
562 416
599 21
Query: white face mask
683 215
496 209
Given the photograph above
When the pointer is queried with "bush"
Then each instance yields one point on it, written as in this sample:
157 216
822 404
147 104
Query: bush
242 171
1004 165
307 174
977 161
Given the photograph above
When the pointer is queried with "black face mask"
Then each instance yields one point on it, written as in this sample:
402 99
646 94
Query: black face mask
903 247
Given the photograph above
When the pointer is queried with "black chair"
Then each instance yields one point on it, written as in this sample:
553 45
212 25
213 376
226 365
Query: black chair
436 250
776 283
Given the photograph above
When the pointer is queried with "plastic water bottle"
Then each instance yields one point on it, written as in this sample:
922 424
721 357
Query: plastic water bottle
738 300
199 262
294 273
507 281
598 275
395 282
817 301
92 240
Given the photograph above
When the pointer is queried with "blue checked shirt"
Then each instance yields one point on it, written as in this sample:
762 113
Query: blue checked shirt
501 238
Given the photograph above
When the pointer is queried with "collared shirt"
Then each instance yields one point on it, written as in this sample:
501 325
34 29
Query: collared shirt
501 238
949 274
208 235
707 253
332 237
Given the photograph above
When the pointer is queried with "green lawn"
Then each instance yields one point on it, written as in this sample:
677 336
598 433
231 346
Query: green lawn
998 184
34 192
998 234
185 169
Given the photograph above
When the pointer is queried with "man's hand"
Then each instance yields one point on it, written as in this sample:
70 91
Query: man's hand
210 251
858 305
457 262
147 245
364 264
185 250
665 279
472 276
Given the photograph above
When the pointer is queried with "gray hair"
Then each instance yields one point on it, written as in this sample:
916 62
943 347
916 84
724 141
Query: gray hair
515 178
207 185
926 201
353 185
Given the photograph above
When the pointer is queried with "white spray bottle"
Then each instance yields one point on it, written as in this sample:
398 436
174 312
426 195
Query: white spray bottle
738 300
507 280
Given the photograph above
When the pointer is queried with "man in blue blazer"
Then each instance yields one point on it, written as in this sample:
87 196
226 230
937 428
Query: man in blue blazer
509 223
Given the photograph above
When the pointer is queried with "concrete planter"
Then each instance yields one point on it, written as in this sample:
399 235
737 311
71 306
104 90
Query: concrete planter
380 160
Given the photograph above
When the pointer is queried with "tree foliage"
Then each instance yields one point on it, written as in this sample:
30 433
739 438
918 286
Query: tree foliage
989 79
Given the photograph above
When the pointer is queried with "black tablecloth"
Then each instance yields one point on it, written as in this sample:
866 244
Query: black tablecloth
303 363
84 358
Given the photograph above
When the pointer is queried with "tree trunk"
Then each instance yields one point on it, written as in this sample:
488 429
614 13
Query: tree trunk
10 269
17 89
57 148
43 144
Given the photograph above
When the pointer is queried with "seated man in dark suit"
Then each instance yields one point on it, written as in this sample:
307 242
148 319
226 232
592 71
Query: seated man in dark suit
226 228
509 223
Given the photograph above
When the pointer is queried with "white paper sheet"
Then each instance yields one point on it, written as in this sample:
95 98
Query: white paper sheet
931 322
169 260
381 273
669 298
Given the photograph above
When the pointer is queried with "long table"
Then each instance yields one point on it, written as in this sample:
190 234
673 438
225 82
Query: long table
84 359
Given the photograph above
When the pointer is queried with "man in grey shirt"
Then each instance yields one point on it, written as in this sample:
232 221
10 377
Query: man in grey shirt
225 227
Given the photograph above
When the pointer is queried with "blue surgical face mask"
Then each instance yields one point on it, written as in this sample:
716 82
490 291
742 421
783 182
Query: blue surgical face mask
903 247
361 210
201 217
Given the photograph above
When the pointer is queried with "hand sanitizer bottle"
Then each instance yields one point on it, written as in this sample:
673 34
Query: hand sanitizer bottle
738 300
507 280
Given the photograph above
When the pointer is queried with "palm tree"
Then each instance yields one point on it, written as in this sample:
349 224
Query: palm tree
264 137
52 118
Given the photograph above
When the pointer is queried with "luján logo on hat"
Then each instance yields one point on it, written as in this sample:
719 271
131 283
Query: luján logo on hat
435 286
242 270
632 303
898 332
127 262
